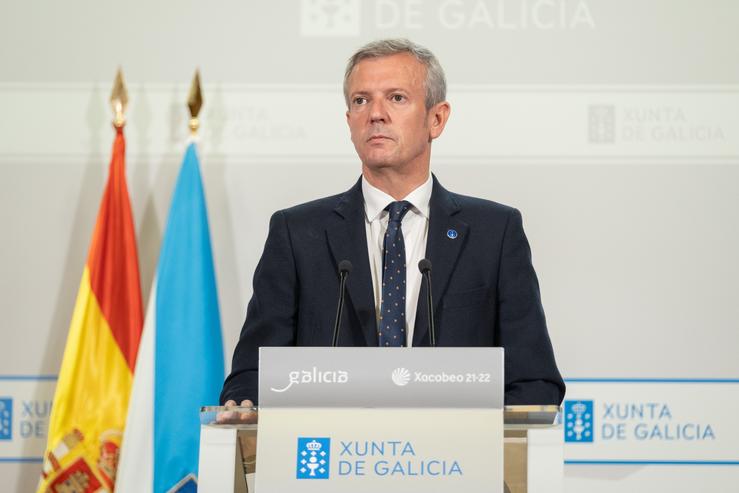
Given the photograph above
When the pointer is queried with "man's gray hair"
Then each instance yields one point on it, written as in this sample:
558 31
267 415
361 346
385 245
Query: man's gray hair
435 80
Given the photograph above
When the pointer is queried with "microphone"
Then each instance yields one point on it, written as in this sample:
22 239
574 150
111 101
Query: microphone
424 265
345 267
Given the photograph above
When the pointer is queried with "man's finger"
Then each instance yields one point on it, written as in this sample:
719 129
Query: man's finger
234 417
224 417
249 416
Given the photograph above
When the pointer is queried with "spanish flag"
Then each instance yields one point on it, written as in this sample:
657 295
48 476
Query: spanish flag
92 393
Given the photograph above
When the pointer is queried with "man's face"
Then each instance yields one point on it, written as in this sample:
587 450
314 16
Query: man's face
387 116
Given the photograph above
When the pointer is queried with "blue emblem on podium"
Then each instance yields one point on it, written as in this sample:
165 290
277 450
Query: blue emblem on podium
579 421
313 458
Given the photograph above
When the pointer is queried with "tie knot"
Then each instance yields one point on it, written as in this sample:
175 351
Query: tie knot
398 209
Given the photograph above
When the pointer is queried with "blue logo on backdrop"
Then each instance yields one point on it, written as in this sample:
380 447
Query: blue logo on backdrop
6 418
578 421
313 458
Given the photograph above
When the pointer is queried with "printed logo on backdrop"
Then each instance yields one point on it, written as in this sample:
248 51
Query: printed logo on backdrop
651 421
25 408
333 18
328 18
649 124
500 15
622 421
578 421
6 418
314 455
602 124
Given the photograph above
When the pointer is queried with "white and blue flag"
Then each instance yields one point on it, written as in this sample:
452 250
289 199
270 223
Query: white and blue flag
180 362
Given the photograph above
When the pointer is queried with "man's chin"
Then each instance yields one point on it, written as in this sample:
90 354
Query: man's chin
380 165
380 161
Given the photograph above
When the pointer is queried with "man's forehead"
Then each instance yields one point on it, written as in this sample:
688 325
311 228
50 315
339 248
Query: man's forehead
401 70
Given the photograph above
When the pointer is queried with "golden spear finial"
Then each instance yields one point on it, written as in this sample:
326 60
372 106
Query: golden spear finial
119 100
195 102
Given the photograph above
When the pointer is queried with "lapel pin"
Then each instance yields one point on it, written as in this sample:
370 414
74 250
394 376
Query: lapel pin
452 234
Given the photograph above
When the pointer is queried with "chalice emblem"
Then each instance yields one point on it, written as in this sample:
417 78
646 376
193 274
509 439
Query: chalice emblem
314 459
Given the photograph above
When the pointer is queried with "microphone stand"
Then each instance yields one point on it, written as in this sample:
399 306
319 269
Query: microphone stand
344 268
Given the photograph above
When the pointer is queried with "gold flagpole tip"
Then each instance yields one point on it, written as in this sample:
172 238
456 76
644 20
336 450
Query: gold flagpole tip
119 100
195 102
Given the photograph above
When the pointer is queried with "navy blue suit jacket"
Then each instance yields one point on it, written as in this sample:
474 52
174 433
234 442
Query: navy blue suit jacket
485 291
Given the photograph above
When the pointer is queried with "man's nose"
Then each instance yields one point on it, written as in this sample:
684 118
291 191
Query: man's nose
378 112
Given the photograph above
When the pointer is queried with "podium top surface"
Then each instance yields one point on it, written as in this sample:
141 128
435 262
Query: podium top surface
513 416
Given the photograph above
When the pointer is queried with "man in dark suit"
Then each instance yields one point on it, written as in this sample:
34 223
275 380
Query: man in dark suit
485 290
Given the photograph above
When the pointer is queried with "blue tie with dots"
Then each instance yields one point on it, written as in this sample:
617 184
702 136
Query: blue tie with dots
391 331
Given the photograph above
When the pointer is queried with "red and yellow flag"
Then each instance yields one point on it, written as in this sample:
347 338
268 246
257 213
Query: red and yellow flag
91 399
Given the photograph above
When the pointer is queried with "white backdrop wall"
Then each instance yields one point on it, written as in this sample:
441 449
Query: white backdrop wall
612 125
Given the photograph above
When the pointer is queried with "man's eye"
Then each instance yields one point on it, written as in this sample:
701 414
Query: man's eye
398 98
360 100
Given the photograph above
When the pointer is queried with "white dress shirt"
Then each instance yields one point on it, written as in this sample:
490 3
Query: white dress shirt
415 227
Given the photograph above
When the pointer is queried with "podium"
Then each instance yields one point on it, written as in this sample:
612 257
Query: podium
360 419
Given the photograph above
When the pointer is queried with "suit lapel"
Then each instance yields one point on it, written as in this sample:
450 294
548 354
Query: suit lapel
347 240
446 237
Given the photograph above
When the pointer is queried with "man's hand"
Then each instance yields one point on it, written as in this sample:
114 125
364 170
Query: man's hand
237 417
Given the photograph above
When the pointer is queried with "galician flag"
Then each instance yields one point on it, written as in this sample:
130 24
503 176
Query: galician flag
91 398
180 364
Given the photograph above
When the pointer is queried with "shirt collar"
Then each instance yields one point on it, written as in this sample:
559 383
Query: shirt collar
375 200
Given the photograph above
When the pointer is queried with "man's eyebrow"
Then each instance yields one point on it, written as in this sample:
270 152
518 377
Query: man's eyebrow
392 89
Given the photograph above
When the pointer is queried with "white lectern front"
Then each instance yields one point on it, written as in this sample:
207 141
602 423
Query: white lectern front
364 419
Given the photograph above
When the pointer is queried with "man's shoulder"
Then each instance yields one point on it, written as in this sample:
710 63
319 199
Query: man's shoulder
478 207
312 210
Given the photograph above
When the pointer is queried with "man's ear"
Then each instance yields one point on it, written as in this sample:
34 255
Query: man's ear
438 115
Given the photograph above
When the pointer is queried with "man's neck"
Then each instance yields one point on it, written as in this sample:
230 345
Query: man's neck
397 185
